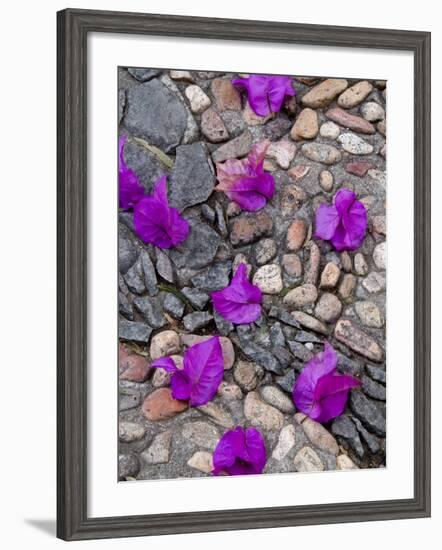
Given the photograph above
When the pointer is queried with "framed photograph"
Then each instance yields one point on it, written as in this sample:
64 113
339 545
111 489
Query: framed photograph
236 349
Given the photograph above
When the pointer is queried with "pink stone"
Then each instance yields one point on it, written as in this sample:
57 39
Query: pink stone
353 122
358 168
160 405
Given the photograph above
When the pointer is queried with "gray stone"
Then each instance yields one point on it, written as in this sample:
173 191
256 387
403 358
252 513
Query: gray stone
284 316
287 381
201 434
128 465
235 148
151 310
300 351
143 75
221 222
304 336
345 428
354 144
173 305
208 212
371 440
260 355
192 178
133 330
370 414
320 152
121 103
144 163
377 373
129 398
134 278
199 249
159 450
307 460
164 266
275 397
373 389
196 298
196 320
349 366
127 251
276 335
150 277
262 415
125 307
216 277
156 114
223 326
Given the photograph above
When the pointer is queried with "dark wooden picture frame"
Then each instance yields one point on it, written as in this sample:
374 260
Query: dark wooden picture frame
73 28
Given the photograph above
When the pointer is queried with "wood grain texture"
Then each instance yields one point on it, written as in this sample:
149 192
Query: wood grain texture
72 28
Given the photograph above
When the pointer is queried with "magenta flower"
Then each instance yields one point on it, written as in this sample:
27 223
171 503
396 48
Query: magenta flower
266 93
244 181
129 189
156 222
202 373
320 392
240 452
343 223
240 302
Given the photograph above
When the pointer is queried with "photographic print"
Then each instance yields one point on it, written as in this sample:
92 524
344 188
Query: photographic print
252 273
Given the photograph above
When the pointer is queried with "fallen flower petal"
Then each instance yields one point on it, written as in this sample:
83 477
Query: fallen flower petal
344 223
266 93
240 302
156 222
202 373
320 392
240 452
130 192
244 181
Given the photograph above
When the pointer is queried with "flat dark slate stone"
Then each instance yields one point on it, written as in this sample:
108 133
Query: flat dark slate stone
192 178
156 114
151 310
134 331
143 75
369 413
197 320
216 277
196 298
199 249
260 356
145 164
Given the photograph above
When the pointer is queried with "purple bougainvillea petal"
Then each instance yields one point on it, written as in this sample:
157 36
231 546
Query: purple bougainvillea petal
130 192
240 452
204 368
156 222
240 302
244 181
344 224
331 393
166 363
279 87
181 386
320 392
265 93
327 221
